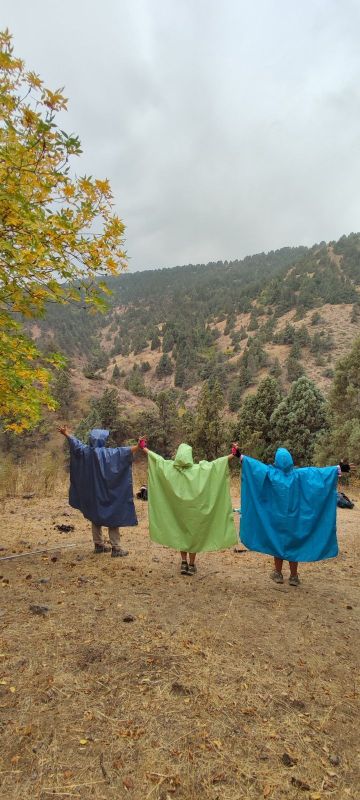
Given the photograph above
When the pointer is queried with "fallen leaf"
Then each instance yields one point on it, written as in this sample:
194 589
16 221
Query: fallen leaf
68 773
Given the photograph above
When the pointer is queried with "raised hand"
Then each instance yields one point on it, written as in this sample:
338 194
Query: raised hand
64 430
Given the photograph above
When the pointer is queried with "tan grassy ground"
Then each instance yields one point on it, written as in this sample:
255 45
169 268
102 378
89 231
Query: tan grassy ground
201 696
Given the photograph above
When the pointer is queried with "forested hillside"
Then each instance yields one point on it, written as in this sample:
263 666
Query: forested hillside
288 312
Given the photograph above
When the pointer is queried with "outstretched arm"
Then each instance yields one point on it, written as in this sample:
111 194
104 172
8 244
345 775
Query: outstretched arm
64 430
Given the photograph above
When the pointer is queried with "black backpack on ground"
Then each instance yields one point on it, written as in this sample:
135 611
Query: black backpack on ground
342 501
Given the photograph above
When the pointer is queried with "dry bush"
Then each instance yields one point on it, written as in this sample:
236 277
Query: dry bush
40 474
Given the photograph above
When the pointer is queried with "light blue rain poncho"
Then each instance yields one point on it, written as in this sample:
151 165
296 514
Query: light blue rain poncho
101 481
286 512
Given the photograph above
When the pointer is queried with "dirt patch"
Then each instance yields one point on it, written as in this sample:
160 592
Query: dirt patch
223 687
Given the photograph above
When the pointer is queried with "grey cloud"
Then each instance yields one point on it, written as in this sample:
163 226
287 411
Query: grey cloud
224 128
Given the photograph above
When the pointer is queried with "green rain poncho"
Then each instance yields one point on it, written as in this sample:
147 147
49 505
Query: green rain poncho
189 504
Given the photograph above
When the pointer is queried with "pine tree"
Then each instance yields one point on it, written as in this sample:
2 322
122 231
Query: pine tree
208 436
275 370
104 413
343 437
165 366
299 420
64 392
116 373
253 429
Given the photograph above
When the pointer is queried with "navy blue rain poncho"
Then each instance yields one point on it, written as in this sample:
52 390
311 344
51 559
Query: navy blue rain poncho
101 481
286 512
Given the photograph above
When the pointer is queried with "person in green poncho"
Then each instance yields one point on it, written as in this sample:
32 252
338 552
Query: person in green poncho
190 506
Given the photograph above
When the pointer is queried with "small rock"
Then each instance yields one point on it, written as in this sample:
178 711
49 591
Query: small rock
6 580
334 759
28 495
44 580
300 784
349 608
287 760
40 610
54 559
28 577
128 618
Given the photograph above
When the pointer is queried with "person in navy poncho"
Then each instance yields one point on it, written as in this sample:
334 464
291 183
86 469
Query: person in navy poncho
288 513
101 487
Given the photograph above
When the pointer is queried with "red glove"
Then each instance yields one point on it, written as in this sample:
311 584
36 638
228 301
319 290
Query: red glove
235 451
142 443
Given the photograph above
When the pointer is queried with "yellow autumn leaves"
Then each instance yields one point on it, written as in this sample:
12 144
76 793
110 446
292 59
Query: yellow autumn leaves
57 232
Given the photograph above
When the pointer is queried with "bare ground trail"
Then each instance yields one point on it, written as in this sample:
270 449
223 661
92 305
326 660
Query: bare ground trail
223 687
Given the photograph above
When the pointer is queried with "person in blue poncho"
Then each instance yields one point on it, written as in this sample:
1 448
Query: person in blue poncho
288 513
101 487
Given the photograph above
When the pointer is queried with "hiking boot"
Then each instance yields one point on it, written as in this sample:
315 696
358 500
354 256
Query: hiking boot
118 552
294 580
102 548
277 576
184 568
191 569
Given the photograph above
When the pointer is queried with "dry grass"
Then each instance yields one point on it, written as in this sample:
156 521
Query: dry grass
199 697
41 474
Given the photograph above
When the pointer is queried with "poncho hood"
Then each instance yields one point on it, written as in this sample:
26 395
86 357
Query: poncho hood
283 460
98 437
184 457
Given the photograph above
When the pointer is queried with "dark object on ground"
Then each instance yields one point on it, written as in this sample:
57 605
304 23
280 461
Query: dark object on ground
40 610
343 501
142 494
65 528
344 466
28 496
180 690
44 580
240 550
334 760
128 618
300 784
287 760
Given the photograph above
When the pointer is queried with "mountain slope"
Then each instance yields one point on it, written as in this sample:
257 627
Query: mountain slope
293 310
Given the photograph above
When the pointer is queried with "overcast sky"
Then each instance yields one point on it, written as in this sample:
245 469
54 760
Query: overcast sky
225 128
